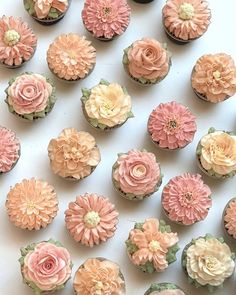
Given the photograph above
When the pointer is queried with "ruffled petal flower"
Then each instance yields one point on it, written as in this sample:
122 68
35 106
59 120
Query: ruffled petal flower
230 218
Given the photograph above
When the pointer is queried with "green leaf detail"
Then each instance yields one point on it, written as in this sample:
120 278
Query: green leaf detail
130 115
131 248
104 82
125 59
147 267
211 130
93 122
139 225
101 126
53 15
171 254
86 92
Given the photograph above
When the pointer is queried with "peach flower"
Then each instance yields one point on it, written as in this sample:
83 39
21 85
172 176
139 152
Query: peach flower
42 7
73 154
99 276
230 218
214 77
168 292
218 152
29 93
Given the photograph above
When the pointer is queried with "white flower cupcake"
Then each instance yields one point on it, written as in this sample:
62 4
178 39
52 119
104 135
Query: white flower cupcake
164 289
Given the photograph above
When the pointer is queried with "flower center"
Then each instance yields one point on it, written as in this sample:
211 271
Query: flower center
211 262
186 11
11 37
99 285
48 265
107 10
216 75
154 246
91 219
139 170
188 196
30 205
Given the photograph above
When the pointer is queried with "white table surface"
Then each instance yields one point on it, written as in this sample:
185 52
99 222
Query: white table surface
146 21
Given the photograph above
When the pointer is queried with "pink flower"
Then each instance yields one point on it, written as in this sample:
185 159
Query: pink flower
17 41
106 18
48 266
230 218
42 7
172 125
137 172
29 93
186 199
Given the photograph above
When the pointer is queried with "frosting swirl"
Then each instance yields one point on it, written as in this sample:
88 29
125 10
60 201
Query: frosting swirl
230 218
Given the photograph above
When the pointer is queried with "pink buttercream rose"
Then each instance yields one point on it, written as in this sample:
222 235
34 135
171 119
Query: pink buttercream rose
29 93
48 266
42 7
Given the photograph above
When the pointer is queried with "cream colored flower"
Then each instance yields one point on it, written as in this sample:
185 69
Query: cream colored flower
108 104
209 261
218 152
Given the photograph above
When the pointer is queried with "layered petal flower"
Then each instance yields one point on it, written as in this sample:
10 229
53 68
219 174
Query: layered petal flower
42 7
230 218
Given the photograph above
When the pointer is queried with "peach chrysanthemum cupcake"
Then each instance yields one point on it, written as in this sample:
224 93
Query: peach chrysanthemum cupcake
91 219
32 204
164 289
229 218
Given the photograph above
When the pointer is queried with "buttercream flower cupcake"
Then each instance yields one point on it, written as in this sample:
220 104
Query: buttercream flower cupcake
30 96
71 57
172 126
164 289
136 174
186 199
106 19
91 219
216 154
99 276
32 204
152 246
45 266
47 12
106 106
147 61
143 1
17 42
214 77
9 150
186 20
208 262
74 154
229 218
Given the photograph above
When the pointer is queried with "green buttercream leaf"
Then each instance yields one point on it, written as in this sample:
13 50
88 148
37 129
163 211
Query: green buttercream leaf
131 248
211 130
143 80
101 126
93 122
161 287
147 267
139 225
130 115
104 82
53 14
171 254
86 92
125 90
125 59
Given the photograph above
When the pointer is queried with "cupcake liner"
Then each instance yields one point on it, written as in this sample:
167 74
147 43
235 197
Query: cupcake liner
224 222
143 1
162 287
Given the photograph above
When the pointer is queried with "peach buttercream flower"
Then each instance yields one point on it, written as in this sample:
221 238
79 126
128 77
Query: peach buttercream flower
209 261
218 152
230 218
17 41
99 276
42 7
186 19
73 154
71 57
32 204
214 77
91 219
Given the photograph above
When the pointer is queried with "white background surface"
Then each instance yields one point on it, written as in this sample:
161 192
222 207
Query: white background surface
146 21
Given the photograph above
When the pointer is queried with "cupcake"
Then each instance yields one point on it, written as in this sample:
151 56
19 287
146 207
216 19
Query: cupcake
208 262
91 219
214 77
147 61
136 174
47 12
99 276
171 126
186 199
216 154
45 266
30 96
73 154
164 289
17 42
152 246
32 204
71 57
185 21
143 1
106 20
106 106
229 218
9 150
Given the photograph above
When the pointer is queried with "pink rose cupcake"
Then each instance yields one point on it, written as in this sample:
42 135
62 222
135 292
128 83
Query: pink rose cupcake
164 289
47 12
99 276
30 96
152 246
136 175
106 19
74 154
171 126
17 42
185 20
186 199
229 218
91 219
9 150
147 61
45 266
32 204
71 57
214 77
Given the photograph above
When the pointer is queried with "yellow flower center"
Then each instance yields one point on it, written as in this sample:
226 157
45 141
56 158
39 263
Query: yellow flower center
217 75
11 37
91 219
154 246
186 11
139 170
99 285
211 262
107 10
30 205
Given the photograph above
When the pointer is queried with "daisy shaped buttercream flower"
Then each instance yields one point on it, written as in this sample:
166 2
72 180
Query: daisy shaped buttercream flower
91 219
